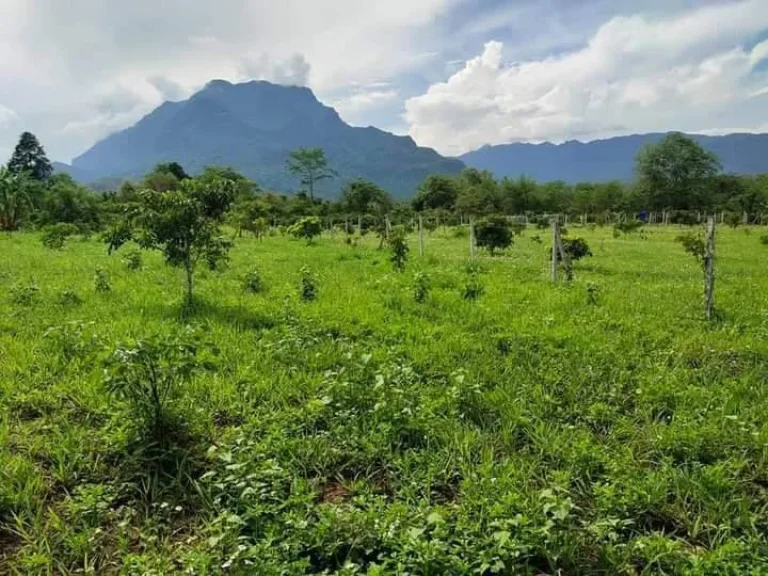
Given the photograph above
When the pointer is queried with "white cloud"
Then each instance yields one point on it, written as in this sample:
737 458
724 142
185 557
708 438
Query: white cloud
56 57
689 72
364 99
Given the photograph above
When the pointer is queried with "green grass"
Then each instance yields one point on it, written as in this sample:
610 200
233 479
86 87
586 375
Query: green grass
531 430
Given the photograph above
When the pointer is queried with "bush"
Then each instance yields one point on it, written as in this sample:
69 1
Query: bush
252 282
576 248
421 287
628 226
764 239
101 281
24 295
493 233
149 375
54 237
69 298
473 287
308 228
132 260
308 286
694 245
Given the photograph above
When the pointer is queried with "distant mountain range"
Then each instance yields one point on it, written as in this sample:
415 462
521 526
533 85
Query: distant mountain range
252 127
611 159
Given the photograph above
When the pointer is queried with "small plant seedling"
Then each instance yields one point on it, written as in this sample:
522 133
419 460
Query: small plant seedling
132 260
308 286
253 283
69 299
101 281
24 294
399 248
473 287
421 287
593 294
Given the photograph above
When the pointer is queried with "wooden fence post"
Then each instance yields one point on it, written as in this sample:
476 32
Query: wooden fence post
555 248
421 236
346 224
472 245
359 224
387 226
709 269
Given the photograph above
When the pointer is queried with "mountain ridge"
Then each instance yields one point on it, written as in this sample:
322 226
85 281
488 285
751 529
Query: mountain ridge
253 126
607 159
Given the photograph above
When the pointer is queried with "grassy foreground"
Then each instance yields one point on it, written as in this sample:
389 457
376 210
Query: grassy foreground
600 427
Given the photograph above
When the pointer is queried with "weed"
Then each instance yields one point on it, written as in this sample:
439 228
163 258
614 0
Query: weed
308 285
101 281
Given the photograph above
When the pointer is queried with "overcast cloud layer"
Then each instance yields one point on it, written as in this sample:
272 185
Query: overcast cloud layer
455 74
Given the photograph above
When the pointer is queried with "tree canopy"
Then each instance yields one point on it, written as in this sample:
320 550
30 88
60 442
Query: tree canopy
311 166
29 157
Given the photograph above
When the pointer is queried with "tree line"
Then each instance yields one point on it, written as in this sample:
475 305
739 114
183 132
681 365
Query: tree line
675 175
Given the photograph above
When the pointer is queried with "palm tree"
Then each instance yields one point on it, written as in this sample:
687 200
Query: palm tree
14 200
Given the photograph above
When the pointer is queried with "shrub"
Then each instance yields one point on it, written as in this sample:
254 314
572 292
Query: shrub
55 236
252 282
24 295
694 245
101 281
593 293
628 226
473 287
398 247
308 286
493 233
149 375
132 260
308 228
421 287
764 239
576 248
69 298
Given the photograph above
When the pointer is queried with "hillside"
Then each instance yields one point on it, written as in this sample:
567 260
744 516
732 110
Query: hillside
252 127
611 159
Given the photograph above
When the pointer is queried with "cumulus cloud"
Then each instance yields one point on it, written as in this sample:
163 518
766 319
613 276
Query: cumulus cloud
365 98
292 71
693 71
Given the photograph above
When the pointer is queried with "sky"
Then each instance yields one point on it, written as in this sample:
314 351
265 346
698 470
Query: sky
453 74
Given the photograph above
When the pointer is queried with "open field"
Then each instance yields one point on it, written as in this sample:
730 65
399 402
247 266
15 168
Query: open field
600 426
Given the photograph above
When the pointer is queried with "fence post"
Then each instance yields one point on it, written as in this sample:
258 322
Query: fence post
346 224
472 245
421 236
359 224
387 226
555 248
709 269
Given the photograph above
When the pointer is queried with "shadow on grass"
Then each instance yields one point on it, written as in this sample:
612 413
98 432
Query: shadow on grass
200 309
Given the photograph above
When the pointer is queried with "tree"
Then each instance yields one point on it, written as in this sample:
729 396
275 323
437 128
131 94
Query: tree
361 197
65 201
14 200
310 165
436 192
183 224
307 228
29 157
493 233
676 173
399 247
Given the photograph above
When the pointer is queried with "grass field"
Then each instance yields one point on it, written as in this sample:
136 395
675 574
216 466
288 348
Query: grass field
601 427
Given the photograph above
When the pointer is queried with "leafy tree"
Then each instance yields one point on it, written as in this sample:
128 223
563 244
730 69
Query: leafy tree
55 236
66 201
493 232
308 228
183 224
14 199
173 168
29 157
576 248
361 197
676 173
436 192
311 166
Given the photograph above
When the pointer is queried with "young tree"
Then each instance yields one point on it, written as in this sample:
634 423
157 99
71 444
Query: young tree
29 157
676 173
14 200
307 228
492 233
311 166
183 224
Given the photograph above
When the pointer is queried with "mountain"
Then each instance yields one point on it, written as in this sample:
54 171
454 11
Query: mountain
252 127
611 159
